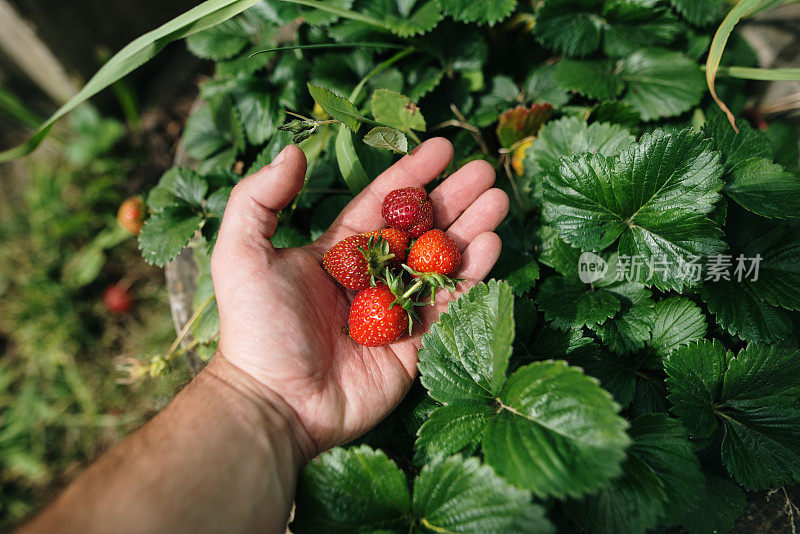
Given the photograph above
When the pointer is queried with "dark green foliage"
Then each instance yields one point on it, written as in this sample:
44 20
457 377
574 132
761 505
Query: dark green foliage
558 384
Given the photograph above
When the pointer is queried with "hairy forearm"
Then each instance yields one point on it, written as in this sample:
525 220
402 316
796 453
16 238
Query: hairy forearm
218 459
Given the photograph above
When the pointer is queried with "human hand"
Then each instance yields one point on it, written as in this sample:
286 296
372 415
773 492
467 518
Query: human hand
283 318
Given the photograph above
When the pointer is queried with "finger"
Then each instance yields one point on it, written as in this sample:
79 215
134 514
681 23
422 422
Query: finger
484 215
460 190
480 256
418 168
250 217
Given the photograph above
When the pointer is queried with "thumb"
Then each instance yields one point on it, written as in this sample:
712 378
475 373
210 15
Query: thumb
250 217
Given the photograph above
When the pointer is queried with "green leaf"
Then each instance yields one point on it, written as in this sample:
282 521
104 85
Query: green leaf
336 106
135 54
594 79
721 504
523 275
652 197
187 185
481 12
540 87
317 17
461 495
361 490
568 136
451 429
557 432
568 424
753 396
764 260
699 13
633 25
465 354
166 233
570 303
662 443
218 200
504 93
678 321
214 135
736 148
631 329
404 18
396 110
661 482
695 373
661 83
95 135
178 186
387 138
355 490
571 27
222 41
617 373
766 189
739 310
631 503
258 108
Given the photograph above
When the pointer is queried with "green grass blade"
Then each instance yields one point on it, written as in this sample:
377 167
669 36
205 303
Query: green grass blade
355 44
739 11
14 108
769 75
134 55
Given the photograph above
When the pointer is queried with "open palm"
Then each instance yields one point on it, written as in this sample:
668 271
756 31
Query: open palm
283 317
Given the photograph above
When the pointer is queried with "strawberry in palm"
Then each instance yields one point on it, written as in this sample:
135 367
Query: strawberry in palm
433 259
398 243
376 318
357 261
408 209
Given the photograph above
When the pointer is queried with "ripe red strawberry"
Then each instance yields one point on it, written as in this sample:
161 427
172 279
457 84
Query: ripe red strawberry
131 215
117 300
357 260
376 318
408 209
435 252
398 243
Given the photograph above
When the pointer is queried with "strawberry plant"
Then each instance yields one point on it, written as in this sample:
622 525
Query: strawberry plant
634 364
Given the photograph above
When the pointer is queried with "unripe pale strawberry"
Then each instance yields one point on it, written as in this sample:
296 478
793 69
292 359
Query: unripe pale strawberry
131 215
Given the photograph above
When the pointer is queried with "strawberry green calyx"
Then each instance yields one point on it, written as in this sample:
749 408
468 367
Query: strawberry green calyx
378 255
431 282
403 296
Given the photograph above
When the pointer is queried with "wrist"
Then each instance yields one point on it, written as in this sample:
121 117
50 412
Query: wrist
272 413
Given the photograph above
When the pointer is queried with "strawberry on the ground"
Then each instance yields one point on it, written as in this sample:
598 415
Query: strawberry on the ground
398 243
358 260
117 299
131 215
376 318
408 209
435 252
